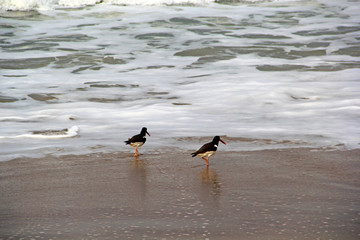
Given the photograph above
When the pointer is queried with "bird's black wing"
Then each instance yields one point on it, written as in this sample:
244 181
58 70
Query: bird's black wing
205 148
136 138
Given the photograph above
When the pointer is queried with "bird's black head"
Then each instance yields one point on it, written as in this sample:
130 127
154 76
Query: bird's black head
217 139
144 131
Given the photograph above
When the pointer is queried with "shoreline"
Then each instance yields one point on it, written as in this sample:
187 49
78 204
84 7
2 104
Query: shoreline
297 193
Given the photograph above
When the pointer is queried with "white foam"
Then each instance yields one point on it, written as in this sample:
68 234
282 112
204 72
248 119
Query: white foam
76 3
67 133
45 5
168 93
26 5
159 2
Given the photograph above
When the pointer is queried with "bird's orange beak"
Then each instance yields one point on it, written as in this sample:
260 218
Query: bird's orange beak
148 133
222 141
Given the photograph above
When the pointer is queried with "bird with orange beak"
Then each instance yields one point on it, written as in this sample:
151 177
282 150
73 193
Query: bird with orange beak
138 140
208 149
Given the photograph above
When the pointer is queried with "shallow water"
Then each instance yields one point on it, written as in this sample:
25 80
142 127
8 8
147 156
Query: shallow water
282 73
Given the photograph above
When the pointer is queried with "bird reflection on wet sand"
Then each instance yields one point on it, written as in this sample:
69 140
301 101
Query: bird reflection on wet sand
210 185
138 181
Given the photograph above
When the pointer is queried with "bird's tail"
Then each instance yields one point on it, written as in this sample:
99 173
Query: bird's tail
193 154
127 141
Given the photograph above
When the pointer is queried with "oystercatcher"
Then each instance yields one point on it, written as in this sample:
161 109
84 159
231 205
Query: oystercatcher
138 140
208 149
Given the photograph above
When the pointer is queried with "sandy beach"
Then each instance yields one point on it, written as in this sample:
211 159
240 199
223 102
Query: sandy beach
269 194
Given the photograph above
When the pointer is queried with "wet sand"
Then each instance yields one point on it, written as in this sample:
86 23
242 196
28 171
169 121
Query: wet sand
270 194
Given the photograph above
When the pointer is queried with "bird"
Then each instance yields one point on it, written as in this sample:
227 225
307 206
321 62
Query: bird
138 140
208 149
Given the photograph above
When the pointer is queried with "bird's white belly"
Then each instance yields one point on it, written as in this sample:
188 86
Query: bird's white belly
136 144
206 154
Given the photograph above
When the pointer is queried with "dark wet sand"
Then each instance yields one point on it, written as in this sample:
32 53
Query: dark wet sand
272 194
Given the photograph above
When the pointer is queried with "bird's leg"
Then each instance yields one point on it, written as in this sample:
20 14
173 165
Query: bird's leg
136 152
207 161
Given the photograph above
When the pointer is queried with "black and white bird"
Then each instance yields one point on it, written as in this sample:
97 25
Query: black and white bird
208 149
138 140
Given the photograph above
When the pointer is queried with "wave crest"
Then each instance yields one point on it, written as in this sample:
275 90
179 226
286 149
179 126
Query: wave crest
49 134
44 5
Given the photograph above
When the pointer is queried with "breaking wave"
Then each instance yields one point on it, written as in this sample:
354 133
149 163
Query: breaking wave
49 134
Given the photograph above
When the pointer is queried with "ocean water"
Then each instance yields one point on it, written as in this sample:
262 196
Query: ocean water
83 76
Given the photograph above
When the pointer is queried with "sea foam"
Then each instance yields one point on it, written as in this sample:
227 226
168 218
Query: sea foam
260 75
45 5
48 134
